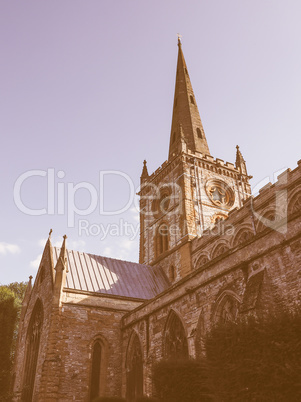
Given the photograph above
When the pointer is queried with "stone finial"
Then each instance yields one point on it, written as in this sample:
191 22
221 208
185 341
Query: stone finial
62 260
144 174
50 233
240 162
27 294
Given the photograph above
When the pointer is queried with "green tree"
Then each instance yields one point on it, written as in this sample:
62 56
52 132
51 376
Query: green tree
18 288
10 306
182 381
256 359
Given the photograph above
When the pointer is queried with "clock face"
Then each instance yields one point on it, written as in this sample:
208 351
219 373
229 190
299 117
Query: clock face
220 193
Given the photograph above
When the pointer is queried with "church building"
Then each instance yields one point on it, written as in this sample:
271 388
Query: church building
94 326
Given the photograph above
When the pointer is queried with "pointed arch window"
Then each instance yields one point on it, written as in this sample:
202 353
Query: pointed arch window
96 368
32 351
134 387
175 345
227 309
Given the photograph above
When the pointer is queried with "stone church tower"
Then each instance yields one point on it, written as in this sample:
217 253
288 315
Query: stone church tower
191 191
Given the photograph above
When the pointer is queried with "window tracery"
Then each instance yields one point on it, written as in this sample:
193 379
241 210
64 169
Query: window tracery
220 193
228 310
176 346
134 371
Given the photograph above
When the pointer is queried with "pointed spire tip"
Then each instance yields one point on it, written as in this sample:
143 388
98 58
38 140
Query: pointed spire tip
185 112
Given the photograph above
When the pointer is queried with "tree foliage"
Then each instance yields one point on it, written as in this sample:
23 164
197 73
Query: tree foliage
10 305
18 288
256 359
182 381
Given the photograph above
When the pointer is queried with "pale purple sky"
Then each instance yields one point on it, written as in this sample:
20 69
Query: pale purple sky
87 86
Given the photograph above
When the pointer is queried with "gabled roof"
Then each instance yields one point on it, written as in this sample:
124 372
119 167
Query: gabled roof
93 273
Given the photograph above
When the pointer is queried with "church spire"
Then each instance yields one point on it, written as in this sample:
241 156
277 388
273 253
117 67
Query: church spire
185 113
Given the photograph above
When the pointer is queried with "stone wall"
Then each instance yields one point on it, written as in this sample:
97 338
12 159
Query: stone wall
252 268
245 265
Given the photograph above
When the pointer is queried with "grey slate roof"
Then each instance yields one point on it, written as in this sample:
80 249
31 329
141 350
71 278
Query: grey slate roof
105 275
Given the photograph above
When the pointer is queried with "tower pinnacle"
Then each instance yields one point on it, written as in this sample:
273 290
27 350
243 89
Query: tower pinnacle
240 162
144 174
185 112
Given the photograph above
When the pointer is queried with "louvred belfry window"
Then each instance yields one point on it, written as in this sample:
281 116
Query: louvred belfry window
176 346
32 351
162 238
134 371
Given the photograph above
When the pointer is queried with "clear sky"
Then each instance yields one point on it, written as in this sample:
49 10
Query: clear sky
87 87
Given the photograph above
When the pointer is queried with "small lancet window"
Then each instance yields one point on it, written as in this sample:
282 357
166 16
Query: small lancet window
172 273
134 386
95 375
164 202
199 133
185 69
192 99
